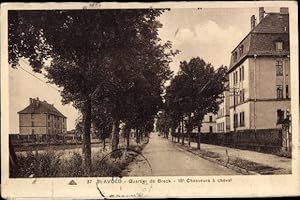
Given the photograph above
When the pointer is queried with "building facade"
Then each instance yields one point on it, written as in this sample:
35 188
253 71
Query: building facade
222 118
208 123
259 74
40 118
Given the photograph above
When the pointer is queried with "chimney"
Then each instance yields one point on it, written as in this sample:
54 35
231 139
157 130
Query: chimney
253 21
30 101
261 13
284 10
37 102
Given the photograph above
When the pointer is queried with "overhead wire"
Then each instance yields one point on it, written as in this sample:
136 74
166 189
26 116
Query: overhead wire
36 76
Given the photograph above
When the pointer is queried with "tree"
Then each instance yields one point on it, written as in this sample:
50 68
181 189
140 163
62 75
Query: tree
95 56
162 123
102 122
67 37
173 107
194 92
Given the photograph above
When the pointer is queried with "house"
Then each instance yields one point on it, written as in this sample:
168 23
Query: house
208 123
41 118
259 74
222 118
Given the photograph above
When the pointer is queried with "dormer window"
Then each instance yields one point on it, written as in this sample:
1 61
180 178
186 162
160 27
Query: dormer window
241 50
279 45
234 56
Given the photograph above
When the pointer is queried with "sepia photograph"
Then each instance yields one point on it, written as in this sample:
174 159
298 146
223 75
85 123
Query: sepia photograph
149 92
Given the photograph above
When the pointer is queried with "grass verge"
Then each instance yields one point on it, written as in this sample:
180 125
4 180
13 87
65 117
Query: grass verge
60 164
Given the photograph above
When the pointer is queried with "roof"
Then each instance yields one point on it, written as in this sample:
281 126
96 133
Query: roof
261 39
38 107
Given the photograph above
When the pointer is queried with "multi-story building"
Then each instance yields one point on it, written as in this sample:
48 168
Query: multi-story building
259 74
208 123
222 118
40 118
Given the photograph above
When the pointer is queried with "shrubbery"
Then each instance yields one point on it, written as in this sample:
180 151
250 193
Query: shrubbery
51 164
37 165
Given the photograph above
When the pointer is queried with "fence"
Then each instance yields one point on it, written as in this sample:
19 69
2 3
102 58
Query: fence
34 139
263 140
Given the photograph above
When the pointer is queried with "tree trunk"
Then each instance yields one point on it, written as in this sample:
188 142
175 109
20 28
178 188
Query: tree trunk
115 135
189 135
182 139
199 137
189 129
86 143
12 156
141 138
137 136
127 137
173 129
178 131
124 135
104 145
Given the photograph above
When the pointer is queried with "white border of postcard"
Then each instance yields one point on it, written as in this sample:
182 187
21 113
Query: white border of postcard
237 186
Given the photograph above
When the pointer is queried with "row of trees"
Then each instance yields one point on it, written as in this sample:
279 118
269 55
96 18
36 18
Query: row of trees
195 91
111 64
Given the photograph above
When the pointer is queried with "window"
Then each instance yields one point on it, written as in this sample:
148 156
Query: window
234 56
210 129
32 116
235 120
241 50
242 73
32 123
48 116
234 78
240 70
242 119
235 100
287 91
279 45
279 68
32 131
280 116
242 96
210 118
220 127
49 124
279 91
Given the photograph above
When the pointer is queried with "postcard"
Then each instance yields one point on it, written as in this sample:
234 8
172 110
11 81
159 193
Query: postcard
149 100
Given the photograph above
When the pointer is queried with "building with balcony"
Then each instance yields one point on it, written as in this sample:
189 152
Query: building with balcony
259 74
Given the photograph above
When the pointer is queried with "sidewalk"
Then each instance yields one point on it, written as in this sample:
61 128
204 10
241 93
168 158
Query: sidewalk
260 163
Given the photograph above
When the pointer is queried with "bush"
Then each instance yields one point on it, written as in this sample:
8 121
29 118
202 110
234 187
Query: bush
51 164
37 165
71 166
109 166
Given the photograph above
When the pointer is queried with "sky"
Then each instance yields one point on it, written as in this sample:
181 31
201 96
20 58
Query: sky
209 33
